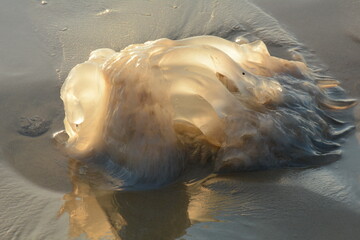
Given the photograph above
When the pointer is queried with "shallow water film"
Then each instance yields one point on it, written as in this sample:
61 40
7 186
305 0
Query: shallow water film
298 127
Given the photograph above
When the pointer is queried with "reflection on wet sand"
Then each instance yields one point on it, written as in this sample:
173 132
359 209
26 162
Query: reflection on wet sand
86 215
156 214
100 214
164 213
245 205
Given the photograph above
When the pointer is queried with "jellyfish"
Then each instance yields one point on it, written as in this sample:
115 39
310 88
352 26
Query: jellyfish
154 108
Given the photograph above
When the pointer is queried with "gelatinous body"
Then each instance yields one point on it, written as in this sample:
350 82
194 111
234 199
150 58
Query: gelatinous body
152 108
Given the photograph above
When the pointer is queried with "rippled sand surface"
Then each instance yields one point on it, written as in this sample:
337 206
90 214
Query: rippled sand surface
44 195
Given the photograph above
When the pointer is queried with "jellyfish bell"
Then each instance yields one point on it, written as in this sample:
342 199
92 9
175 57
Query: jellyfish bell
153 107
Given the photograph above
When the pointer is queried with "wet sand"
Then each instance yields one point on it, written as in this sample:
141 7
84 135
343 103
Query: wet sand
42 194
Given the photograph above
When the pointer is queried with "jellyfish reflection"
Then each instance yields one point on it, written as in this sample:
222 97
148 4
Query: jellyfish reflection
106 214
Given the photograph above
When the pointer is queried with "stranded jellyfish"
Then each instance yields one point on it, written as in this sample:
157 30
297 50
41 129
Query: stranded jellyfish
153 108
